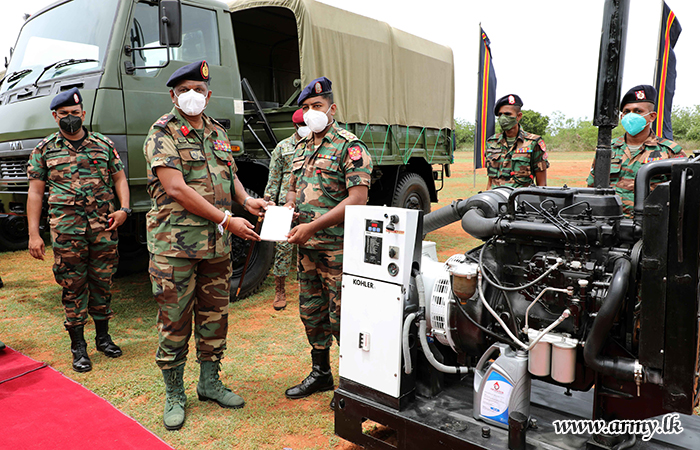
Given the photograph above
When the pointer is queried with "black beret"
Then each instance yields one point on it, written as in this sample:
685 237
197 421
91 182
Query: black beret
510 99
71 97
319 86
197 71
639 94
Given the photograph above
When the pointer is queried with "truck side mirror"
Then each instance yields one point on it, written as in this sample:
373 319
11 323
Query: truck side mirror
170 24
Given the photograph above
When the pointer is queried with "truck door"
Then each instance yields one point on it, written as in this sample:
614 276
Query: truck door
146 97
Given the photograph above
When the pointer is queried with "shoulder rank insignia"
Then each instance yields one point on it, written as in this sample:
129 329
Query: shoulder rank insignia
355 152
116 154
163 120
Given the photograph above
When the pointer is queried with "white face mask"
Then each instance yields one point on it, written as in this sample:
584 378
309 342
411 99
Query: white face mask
191 103
304 131
316 120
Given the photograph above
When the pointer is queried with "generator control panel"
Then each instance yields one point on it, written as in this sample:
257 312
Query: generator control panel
380 242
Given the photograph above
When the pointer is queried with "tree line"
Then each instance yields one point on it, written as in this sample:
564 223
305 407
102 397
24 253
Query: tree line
563 133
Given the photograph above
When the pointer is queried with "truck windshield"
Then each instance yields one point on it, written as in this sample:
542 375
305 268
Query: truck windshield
61 33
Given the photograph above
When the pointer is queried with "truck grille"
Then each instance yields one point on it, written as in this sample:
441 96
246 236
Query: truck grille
13 171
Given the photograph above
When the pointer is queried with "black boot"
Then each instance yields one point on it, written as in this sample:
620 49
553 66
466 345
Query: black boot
103 341
320 379
78 346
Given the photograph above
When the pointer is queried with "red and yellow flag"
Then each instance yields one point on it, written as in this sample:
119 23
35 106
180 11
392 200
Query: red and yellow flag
485 99
665 82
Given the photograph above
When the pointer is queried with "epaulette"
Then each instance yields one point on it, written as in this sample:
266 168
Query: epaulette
163 121
102 137
496 137
671 145
531 136
346 134
216 122
44 142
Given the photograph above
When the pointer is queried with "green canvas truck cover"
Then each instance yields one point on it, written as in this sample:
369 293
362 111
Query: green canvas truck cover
380 74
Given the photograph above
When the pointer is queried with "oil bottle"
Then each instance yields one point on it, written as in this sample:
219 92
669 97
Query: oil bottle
501 387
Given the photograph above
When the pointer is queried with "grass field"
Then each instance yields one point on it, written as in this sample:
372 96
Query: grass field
267 350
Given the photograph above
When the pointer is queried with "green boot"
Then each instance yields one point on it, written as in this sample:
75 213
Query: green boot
175 398
211 388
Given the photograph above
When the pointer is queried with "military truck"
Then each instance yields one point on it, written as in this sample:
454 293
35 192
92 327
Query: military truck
394 90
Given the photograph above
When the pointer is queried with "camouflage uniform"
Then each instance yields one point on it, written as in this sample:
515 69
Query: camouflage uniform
190 264
80 199
624 166
321 178
515 166
277 187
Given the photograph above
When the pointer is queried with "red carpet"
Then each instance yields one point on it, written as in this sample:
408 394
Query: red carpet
42 409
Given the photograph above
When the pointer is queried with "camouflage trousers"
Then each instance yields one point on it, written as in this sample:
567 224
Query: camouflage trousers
183 287
283 258
320 278
83 266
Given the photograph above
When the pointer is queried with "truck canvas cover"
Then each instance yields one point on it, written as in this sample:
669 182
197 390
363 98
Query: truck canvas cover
380 74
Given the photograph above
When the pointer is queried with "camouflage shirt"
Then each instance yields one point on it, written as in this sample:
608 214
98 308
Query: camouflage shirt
79 181
321 177
515 166
624 166
208 167
281 170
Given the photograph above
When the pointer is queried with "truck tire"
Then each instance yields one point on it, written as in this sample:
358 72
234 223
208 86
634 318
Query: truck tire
412 193
260 261
13 233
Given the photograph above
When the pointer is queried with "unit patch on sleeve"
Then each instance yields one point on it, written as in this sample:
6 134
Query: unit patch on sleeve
355 152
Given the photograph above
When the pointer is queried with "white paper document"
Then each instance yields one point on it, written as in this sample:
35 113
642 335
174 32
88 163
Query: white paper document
277 223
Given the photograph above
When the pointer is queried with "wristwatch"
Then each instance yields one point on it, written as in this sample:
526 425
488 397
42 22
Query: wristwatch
127 211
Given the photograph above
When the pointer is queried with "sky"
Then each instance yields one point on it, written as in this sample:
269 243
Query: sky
546 51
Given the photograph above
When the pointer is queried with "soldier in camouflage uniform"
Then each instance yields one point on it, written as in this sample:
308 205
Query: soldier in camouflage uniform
330 170
192 183
81 168
276 190
638 146
515 157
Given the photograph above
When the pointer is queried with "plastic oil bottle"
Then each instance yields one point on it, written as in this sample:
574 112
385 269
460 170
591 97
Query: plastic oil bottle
502 386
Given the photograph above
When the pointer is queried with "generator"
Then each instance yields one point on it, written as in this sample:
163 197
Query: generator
567 311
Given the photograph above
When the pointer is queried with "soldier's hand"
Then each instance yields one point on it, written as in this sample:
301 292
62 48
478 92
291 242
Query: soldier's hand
257 206
242 228
36 247
118 218
300 234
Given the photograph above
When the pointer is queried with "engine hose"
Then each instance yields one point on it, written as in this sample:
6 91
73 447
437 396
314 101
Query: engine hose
618 367
406 351
444 216
422 333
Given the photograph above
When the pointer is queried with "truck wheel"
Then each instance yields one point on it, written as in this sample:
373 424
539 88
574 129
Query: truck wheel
260 261
412 193
13 233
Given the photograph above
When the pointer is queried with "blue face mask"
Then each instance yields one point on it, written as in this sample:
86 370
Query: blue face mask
634 123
